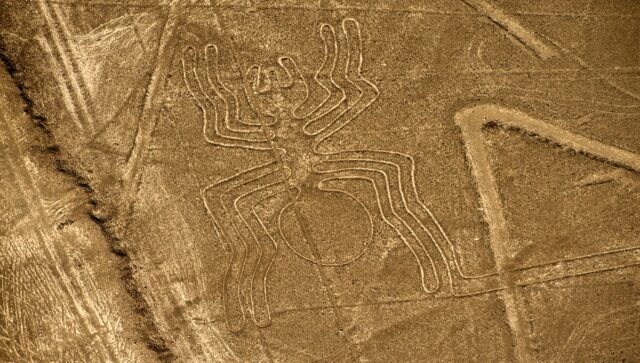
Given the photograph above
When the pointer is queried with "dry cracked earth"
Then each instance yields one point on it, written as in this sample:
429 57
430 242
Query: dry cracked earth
319 181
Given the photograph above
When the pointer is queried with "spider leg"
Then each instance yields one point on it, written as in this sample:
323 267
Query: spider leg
231 284
367 92
244 206
403 166
310 108
232 118
340 90
220 135
255 251
394 212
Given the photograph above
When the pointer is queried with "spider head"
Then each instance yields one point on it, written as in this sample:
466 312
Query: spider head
277 90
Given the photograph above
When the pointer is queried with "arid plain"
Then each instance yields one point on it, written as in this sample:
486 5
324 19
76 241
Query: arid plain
319 181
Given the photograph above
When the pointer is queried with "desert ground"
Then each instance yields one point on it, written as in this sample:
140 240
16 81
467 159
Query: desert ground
319 181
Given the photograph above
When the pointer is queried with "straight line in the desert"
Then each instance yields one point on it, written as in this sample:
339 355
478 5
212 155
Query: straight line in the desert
148 117
513 27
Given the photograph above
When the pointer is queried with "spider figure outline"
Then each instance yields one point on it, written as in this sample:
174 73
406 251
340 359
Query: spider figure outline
304 115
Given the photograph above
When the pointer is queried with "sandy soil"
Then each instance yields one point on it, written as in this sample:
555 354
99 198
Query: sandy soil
307 181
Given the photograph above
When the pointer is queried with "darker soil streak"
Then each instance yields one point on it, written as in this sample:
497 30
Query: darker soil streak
49 148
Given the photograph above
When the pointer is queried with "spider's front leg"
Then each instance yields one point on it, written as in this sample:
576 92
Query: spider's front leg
226 226
230 102
392 174
326 96
347 92
361 92
218 105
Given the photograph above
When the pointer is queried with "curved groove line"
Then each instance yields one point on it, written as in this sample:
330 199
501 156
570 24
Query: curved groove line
316 261
229 98
201 98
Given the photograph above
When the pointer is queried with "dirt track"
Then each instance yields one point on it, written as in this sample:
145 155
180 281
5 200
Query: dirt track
319 181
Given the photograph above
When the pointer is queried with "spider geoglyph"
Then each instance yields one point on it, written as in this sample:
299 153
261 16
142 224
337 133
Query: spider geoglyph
303 118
